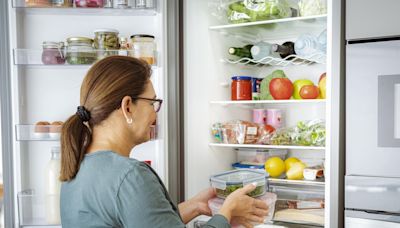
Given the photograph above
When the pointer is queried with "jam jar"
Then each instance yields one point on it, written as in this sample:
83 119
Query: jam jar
241 88
144 47
106 42
53 53
89 3
80 51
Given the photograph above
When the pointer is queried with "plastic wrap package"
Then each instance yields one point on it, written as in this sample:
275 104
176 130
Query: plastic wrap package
306 133
241 11
241 132
312 7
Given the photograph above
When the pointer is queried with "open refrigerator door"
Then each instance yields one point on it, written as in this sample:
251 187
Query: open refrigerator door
258 72
53 44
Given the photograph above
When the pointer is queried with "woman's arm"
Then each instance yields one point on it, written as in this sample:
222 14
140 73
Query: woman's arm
196 206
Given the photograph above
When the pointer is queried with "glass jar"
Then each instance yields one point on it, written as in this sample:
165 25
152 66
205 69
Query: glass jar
37 3
62 3
140 4
80 51
106 42
120 3
241 88
89 3
53 53
143 47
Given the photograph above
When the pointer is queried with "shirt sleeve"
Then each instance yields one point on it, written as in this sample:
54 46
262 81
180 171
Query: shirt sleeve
141 202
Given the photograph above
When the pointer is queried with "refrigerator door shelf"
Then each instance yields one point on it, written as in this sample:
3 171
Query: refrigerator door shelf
38 132
372 194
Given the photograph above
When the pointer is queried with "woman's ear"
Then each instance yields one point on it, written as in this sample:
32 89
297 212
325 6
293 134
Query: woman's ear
127 107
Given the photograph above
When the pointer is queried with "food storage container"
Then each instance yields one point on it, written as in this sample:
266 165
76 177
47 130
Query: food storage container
62 3
227 182
89 3
244 165
144 47
275 118
53 53
216 203
80 51
259 156
241 88
106 42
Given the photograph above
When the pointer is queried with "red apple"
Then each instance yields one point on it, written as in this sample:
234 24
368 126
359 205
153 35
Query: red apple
281 88
309 92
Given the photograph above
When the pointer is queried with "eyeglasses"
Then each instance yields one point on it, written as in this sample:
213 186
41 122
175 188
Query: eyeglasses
155 102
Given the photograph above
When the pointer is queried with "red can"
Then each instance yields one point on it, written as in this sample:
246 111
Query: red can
241 88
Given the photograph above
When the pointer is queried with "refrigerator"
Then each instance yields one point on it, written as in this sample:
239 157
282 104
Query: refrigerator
372 178
192 74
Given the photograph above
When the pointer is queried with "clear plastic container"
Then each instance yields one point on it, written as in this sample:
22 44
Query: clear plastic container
53 53
259 156
144 47
227 182
239 165
215 205
80 51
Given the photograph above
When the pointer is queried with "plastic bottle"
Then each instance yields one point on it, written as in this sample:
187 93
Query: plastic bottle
322 39
262 50
284 50
307 45
53 187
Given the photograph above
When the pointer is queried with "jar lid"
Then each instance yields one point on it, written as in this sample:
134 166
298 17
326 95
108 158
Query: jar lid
52 44
106 30
123 39
142 36
79 39
241 78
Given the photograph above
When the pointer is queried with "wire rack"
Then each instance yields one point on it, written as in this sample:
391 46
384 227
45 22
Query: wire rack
289 60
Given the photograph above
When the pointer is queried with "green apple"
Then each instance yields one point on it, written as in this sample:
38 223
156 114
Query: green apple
297 87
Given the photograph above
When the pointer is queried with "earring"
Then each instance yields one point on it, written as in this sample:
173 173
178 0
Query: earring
129 121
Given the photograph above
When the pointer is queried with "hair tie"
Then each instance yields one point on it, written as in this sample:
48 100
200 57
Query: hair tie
83 114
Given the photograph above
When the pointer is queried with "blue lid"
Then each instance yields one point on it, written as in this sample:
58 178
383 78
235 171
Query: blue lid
241 78
239 165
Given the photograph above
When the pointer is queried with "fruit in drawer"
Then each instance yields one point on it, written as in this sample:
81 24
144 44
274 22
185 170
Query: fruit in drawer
296 171
322 86
309 92
281 88
297 85
290 161
275 166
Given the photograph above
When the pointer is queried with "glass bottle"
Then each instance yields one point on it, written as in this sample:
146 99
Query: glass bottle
53 188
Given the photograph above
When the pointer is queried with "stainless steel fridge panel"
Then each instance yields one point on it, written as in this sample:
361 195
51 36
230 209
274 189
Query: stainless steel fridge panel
372 194
372 97
368 222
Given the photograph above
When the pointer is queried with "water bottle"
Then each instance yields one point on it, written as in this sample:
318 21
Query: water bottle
262 50
322 39
307 45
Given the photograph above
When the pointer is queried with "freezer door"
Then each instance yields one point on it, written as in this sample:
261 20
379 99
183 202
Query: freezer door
373 109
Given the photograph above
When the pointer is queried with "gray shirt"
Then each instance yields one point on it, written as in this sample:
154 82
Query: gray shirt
114 191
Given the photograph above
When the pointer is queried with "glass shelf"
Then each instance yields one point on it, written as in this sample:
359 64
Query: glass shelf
33 57
32 209
266 146
256 102
44 8
288 61
286 182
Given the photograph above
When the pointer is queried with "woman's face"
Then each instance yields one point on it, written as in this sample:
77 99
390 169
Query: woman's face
143 115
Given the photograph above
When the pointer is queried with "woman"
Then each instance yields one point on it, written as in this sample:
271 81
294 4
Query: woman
102 186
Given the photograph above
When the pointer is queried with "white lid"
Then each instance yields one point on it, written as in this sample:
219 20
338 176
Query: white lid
239 177
106 30
255 50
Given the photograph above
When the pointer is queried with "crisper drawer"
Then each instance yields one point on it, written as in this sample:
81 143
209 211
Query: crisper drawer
301 206
38 210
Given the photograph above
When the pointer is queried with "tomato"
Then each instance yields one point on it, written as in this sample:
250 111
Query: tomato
309 92
281 88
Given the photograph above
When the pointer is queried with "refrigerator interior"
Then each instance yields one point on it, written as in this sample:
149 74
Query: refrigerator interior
51 93
208 90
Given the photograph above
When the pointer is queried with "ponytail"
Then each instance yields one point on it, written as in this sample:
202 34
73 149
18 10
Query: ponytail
75 140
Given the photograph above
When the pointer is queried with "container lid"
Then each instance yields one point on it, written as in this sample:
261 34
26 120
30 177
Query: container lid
106 30
142 36
79 39
52 44
241 78
239 165
238 177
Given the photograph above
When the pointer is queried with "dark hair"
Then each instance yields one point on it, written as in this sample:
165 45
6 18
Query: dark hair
102 90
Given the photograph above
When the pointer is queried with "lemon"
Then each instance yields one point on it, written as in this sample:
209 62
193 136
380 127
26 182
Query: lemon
275 166
290 161
296 171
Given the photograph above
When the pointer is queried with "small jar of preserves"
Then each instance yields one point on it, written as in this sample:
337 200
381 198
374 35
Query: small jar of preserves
89 3
144 47
106 42
53 53
80 51
241 88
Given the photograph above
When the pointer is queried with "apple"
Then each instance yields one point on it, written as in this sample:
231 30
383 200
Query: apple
298 84
309 92
322 86
281 88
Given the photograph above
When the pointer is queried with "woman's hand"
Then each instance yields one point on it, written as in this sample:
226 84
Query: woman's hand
198 205
243 208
